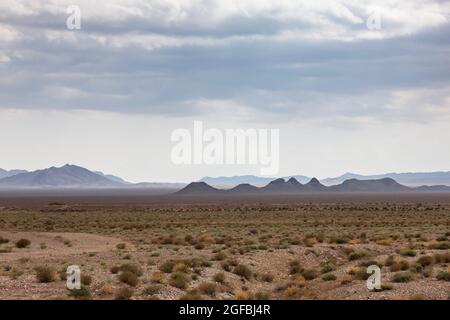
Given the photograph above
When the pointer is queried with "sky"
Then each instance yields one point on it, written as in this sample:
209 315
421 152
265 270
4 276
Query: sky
350 85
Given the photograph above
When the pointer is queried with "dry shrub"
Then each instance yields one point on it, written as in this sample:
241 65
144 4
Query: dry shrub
86 279
129 278
46 274
180 267
295 267
403 276
267 277
191 295
3 240
158 277
124 294
167 266
131 268
219 277
106 289
179 280
291 292
243 295
152 289
243 271
208 288
407 252
310 274
442 257
425 261
121 246
23 243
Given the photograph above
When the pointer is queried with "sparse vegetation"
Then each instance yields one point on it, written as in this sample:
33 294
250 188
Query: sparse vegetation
246 251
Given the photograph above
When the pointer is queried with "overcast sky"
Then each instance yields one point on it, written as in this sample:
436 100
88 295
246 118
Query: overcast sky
345 97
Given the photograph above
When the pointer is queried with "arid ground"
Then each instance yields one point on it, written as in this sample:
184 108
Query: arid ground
163 247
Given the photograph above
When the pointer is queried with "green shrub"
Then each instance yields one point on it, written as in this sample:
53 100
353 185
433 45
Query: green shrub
152 289
327 268
328 277
355 255
443 275
82 293
407 252
179 280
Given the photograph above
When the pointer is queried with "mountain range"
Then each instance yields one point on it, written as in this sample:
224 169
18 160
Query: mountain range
66 176
293 186
71 176
6 174
410 179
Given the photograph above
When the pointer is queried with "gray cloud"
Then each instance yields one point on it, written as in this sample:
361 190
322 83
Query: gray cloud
319 63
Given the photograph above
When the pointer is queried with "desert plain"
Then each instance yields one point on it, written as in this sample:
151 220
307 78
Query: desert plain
156 246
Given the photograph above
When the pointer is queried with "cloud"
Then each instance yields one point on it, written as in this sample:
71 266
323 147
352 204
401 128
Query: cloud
283 59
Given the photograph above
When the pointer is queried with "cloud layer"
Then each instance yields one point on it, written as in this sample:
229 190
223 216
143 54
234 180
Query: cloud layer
283 59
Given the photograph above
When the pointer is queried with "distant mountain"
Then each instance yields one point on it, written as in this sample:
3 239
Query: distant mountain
68 176
437 188
411 179
292 186
244 188
381 185
10 173
315 185
199 188
232 181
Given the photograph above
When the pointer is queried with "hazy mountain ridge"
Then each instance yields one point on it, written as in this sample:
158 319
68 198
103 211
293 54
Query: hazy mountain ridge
63 177
410 179
292 186
10 173
72 176
232 181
